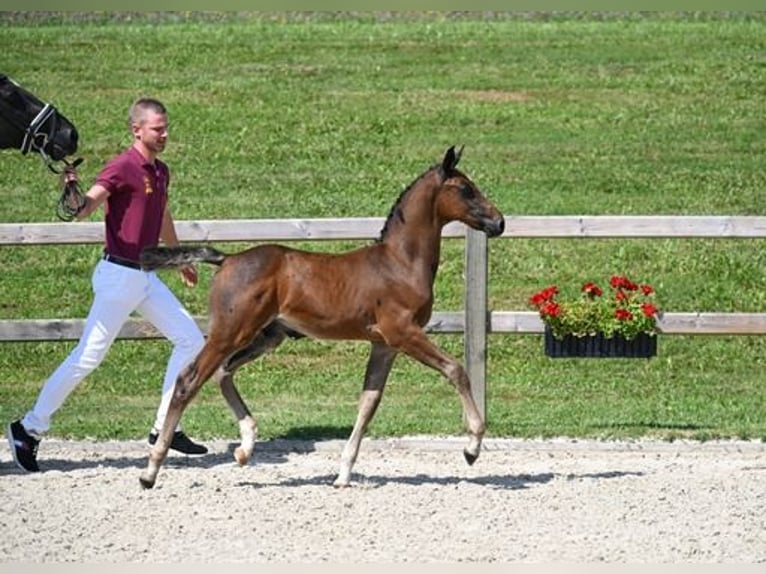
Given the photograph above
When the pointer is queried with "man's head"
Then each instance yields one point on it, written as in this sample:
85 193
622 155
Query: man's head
148 121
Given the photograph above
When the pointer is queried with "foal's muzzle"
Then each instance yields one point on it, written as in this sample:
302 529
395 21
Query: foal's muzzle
494 227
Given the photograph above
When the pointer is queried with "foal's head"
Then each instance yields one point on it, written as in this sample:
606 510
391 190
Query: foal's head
443 194
459 199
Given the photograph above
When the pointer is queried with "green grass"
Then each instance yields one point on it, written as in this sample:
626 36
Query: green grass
326 115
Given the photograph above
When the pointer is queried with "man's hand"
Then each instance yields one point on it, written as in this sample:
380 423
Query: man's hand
69 175
71 201
189 275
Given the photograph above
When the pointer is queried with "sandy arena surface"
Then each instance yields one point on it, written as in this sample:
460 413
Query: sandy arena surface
412 500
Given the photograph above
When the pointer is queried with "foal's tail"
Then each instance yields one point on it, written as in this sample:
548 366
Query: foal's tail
160 257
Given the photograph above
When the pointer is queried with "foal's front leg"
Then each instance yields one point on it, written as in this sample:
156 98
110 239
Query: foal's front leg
378 367
416 344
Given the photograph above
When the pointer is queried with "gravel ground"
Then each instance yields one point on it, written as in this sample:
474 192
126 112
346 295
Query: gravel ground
412 500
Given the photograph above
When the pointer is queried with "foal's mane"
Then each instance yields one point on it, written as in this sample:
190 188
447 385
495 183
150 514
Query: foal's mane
395 211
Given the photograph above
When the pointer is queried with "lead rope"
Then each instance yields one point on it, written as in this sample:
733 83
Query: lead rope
71 201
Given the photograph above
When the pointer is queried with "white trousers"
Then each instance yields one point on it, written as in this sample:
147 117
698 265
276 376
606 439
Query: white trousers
118 291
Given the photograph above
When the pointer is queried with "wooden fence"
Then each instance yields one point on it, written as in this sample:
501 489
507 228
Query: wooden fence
476 321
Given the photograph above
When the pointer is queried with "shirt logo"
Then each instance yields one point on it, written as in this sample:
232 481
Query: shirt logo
147 185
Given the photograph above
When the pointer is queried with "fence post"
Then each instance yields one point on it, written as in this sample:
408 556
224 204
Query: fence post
476 313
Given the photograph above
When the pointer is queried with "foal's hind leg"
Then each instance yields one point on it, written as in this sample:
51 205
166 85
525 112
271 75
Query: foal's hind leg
269 339
188 383
378 367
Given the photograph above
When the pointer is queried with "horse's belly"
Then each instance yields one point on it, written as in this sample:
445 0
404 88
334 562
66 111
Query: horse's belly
331 328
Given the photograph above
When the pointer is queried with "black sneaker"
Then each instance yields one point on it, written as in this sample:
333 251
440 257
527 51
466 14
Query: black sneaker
181 443
23 447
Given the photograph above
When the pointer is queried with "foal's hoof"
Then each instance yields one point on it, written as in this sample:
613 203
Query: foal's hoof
341 482
146 483
241 456
469 457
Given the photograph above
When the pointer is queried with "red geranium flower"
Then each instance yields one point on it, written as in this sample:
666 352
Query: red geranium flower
551 309
592 290
542 297
622 282
623 314
649 309
630 310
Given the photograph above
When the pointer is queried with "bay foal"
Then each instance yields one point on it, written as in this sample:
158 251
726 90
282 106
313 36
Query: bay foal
381 293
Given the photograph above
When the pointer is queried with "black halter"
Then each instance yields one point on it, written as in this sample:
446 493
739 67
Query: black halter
34 132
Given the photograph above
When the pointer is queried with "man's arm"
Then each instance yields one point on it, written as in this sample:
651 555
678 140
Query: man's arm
169 237
168 230
95 196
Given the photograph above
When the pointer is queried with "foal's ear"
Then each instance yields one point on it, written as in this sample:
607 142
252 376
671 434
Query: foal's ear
450 159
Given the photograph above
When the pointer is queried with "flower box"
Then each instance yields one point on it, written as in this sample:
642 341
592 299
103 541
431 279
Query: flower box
643 345
625 324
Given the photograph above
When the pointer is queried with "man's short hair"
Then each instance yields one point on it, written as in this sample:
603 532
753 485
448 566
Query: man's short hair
141 106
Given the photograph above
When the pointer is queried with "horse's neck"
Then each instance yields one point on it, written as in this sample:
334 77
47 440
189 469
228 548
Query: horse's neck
416 236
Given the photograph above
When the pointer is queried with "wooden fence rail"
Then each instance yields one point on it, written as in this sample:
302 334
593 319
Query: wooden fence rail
476 321
453 322
582 226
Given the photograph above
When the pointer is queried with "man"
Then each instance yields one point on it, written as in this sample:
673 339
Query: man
133 186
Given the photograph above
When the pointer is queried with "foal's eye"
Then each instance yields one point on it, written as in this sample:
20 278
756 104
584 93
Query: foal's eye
467 192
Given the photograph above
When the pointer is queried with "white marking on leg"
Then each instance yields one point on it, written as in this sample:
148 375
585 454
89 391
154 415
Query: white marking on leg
248 432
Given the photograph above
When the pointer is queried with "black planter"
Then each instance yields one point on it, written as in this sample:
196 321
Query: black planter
598 346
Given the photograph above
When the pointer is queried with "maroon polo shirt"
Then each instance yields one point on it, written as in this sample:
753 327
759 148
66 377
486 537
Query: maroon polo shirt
138 193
